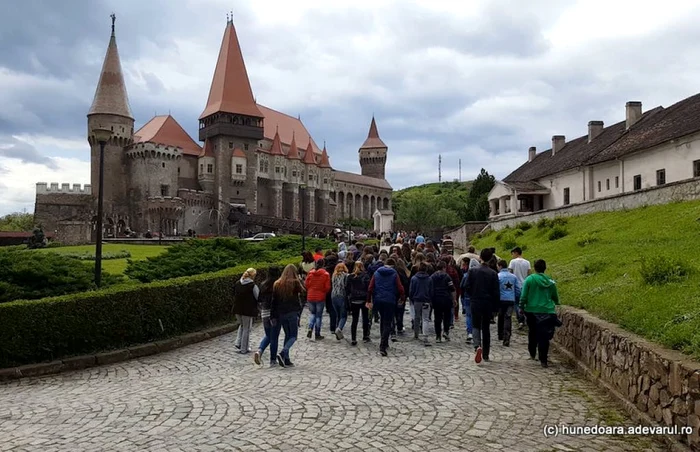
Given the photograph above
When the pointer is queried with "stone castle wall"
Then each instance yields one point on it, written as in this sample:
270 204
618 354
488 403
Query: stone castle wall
653 383
685 190
463 234
65 212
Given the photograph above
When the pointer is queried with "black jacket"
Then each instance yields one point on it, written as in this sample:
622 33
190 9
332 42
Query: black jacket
443 288
280 305
357 287
483 288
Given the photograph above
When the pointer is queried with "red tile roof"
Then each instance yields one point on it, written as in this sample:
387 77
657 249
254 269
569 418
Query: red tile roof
358 179
110 95
309 156
208 150
325 163
373 141
166 130
238 152
293 152
287 126
276 148
230 90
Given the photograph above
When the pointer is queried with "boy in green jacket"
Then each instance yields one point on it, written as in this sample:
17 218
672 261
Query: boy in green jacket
538 299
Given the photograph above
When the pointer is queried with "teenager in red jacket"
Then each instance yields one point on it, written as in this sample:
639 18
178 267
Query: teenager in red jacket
318 284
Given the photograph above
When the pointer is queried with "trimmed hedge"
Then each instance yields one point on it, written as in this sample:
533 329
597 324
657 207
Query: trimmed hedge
117 317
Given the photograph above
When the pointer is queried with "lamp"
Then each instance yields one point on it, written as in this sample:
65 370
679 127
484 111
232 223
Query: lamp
101 135
302 195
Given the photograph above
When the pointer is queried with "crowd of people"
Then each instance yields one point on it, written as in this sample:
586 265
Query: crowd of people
369 284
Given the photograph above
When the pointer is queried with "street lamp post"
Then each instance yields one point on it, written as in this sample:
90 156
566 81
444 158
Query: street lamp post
302 194
102 136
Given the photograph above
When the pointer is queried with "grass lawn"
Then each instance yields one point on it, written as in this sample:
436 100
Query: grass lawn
113 266
603 275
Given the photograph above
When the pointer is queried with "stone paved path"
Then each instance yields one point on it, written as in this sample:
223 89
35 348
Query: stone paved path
205 397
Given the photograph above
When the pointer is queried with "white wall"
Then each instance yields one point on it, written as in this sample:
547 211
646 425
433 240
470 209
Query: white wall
602 173
677 159
557 183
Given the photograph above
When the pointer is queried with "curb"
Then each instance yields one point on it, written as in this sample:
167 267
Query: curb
113 356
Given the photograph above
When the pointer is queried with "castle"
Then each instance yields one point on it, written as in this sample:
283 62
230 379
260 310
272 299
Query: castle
158 178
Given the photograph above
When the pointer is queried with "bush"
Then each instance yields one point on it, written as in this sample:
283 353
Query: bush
593 267
197 256
658 270
518 233
123 254
558 232
509 242
587 239
524 226
30 275
559 221
544 223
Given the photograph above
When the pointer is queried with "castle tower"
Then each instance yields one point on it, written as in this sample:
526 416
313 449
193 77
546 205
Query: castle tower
373 154
110 109
207 167
231 119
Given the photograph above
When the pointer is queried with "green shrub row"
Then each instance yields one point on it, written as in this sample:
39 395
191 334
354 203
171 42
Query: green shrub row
116 317
123 254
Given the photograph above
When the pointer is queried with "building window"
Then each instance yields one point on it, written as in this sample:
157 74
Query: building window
696 168
267 167
660 177
239 169
607 184
617 181
230 144
277 170
285 171
178 171
210 168
567 198
638 182
311 177
325 181
245 146
599 185
164 190
201 168
262 166
294 173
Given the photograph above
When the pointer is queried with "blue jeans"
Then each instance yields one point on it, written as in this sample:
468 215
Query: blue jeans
289 323
271 338
466 308
341 311
316 311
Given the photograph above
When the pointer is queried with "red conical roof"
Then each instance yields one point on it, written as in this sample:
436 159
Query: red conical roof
230 87
325 163
208 149
166 130
373 140
110 95
293 150
276 148
309 155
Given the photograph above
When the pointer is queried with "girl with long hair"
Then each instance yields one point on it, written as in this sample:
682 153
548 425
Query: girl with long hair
271 327
318 284
356 289
405 277
245 307
287 293
339 297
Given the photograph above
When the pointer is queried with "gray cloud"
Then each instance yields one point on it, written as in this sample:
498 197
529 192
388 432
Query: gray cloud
13 148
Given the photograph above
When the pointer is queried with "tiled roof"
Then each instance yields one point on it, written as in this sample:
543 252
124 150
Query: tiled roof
208 149
373 141
276 148
238 152
166 130
527 186
288 127
293 153
110 95
230 87
325 162
358 179
309 156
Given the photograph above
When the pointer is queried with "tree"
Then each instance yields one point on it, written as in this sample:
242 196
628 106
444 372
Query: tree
477 208
17 222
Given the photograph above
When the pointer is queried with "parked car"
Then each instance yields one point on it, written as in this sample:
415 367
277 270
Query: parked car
260 237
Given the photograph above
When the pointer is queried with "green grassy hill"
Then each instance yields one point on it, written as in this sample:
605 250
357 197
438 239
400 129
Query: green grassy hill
446 200
637 268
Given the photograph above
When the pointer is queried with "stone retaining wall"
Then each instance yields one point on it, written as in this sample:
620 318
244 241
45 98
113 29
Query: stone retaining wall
662 385
462 235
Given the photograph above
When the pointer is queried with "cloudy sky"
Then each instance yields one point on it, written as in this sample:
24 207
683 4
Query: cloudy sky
476 80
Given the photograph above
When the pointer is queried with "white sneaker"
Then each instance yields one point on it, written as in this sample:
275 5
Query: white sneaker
469 338
338 334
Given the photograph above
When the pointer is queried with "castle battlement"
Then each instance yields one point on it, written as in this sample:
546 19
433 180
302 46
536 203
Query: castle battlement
154 151
43 188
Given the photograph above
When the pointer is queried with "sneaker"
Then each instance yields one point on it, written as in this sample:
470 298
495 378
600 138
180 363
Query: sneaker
393 339
544 364
426 343
353 343
402 332
486 358
446 336
280 360
521 326
366 339
237 346
478 355
469 338
319 337
383 352
338 334
438 339
273 364
256 358
533 357
288 363
309 333
506 342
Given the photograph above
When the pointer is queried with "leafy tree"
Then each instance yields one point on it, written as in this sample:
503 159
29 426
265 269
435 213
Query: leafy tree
477 207
17 222
38 239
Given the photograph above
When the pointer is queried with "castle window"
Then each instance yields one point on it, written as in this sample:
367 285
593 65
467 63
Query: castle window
164 190
239 169
567 195
607 184
262 166
245 146
294 173
210 168
599 186
267 167
163 164
696 168
230 144
277 170
638 182
660 177
201 168
311 177
325 181
285 171
617 181
178 171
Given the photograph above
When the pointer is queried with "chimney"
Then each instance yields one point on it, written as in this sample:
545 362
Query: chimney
558 142
595 128
531 153
633 111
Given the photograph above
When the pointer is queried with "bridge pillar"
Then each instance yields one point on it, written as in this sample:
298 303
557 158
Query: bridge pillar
311 204
294 189
277 199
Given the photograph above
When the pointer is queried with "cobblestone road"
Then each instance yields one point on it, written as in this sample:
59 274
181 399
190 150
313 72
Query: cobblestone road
205 397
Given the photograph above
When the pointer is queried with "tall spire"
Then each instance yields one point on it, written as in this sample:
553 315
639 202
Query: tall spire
373 140
309 157
110 95
230 90
276 148
293 150
325 163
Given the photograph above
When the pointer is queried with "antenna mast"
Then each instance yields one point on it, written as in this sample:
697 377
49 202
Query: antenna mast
460 170
439 167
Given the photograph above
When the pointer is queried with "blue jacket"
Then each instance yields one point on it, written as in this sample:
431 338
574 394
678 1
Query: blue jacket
443 288
463 286
374 267
509 286
421 288
385 287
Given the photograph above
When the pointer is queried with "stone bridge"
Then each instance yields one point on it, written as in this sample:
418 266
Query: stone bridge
207 397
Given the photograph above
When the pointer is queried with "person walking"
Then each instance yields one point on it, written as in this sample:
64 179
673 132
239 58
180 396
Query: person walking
405 277
318 284
331 260
443 301
287 296
357 289
245 307
484 297
520 267
421 295
510 292
384 294
271 327
307 263
538 300
466 304
339 297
